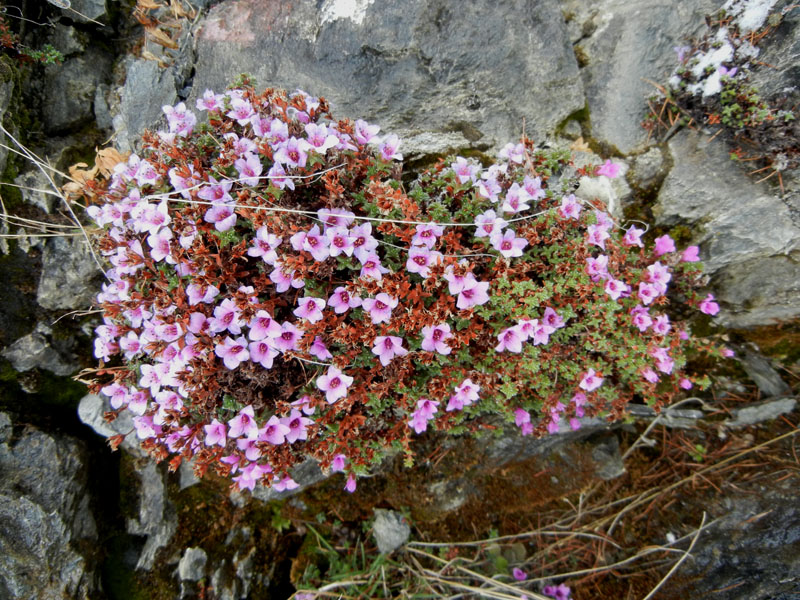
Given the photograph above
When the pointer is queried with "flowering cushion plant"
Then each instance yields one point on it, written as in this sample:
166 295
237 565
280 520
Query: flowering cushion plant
274 293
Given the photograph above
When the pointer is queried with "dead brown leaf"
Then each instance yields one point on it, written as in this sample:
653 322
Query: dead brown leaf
162 38
580 145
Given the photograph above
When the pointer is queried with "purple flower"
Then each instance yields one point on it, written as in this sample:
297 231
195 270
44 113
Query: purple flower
215 434
522 419
426 235
226 318
661 325
552 319
244 424
509 339
420 261
663 245
609 169
297 425
633 237
339 241
380 307
338 463
519 574
464 170
222 215
590 381
508 244
474 293
371 267
615 288
335 217
488 224
263 353
708 306
424 413
516 199
319 138
466 393
277 175
180 120
284 281
249 168
570 208
289 338
241 111
434 338
597 268
597 235
232 352
310 309
387 347
641 318
196 294
513 152
341 300
647 293
691 254
350 484
319 350
262 325
364 132
560 592
292 153
264 245
274 431
533 185
210 101
388 148
685 384
363 242
334 383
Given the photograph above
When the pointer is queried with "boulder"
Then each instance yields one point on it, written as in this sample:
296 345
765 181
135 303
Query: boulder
749 237
405 66
44 512
69 274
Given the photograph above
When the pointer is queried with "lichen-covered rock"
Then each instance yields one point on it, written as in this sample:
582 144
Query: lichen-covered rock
749 237
44 511
391 530
35 351
155 516
474 69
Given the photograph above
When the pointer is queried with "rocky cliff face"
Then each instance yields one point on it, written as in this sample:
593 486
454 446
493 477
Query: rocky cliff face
447 77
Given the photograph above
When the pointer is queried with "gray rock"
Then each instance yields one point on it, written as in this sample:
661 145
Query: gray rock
777 74
305 474
147 88
192 566
762 373
649 169
156 517
749 241
607 458
102 113
759 413
391 530
69 274
82 10
44 510
244 570
629 43
405 66
34 351
69 90
68 40
90 411
30 183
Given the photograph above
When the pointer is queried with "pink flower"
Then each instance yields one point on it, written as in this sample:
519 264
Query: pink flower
285 483
465 171
277 175
388 148
249 168
509 339
338 463
420 261
426 235
319 350
380 307
244 424
387 347
488 224
633 237
262 353
590 381
264 245
226 318
292 153
552 319
474 293
363 242
597 268
533 186
289 338
650 375
708 306
309 308
647 293
434 336
335 217
663 245
615 288
570 208
350 485
728 353
685 384
691 254
467 392
339 241
241 110
519 574
661 325
371 267
232 352
508 244
215 434
222 215
597 235
364 132
274 431
341 300
334 383
516 199
319 138
262 325
609 169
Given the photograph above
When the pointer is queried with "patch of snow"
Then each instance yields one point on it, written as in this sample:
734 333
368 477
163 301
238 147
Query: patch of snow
750 15
355 10
713 58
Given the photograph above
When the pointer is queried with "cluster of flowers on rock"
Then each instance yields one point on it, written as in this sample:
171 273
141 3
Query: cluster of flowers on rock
274 294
